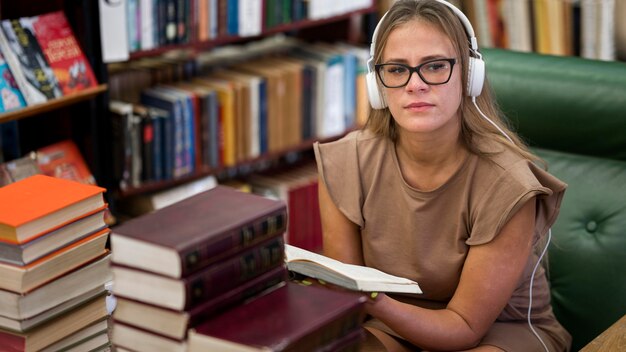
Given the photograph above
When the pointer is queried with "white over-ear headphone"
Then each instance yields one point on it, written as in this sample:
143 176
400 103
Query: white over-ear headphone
476 66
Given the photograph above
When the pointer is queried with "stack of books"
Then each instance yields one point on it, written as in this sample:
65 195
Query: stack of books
208 274
53 266
183 264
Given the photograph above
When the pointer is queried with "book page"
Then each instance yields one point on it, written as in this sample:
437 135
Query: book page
356 272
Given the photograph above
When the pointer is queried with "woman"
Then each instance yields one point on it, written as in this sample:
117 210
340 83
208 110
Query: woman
433 191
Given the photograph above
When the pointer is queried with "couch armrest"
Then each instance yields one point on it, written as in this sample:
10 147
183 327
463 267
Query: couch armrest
587 255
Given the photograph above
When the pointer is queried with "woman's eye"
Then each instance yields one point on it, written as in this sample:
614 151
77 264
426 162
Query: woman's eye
396 69
436 66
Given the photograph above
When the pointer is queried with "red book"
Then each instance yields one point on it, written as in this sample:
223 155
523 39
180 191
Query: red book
291 318
66 58
208 227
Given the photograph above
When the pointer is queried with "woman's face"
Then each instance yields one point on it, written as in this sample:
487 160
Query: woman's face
418 107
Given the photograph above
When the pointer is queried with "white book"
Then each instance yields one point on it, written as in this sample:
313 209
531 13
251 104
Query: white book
589 29
147 24
606 31
113 31
250 17
353 277
517 21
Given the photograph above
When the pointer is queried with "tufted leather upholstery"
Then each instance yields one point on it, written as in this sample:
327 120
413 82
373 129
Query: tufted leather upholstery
573 113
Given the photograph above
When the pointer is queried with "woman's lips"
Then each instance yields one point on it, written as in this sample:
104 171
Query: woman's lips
420 106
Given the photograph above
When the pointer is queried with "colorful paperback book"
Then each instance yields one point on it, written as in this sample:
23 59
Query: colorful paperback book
61 49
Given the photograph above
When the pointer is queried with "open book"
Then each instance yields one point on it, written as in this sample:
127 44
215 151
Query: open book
354 277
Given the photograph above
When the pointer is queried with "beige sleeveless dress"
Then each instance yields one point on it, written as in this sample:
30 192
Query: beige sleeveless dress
426 236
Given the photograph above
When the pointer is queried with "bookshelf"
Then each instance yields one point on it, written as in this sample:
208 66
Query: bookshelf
350 27
78 116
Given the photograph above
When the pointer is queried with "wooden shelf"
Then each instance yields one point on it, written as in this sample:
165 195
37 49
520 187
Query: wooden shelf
53 104
204 45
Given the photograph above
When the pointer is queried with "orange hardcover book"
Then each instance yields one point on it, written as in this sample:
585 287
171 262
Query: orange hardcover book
38 204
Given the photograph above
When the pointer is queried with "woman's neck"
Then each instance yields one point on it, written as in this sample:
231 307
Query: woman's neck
427 163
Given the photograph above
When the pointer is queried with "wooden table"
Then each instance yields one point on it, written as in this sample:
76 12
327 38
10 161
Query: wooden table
612 339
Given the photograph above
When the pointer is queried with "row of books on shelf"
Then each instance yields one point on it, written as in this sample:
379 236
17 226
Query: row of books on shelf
221 282
235 109
40 60
584 28
54 266
154 23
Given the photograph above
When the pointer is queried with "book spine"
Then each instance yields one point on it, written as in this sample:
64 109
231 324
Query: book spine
239 294
225 275
234 241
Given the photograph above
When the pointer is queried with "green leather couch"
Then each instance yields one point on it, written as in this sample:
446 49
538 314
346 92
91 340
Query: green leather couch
572 112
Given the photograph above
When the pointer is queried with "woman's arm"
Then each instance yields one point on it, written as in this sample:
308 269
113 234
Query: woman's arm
490 275
342 239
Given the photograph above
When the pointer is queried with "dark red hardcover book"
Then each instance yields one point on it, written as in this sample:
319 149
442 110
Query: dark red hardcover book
187 236
213 280
291 318
347 343
174 324
61 49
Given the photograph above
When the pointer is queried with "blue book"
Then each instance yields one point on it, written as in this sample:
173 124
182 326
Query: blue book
153 98
232 17
263 116
159 118
10 96
350 67
185 131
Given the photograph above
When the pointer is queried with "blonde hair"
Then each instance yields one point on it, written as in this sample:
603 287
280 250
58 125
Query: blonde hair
473 126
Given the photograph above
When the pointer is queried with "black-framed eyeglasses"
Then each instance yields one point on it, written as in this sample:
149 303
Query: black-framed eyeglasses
432 72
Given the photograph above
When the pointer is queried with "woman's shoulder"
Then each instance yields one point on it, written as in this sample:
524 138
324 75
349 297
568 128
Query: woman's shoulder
501 161
361 143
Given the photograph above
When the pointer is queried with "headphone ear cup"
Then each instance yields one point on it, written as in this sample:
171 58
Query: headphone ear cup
476 76
377 101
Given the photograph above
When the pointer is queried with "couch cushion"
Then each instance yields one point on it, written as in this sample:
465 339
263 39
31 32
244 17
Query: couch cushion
587 255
